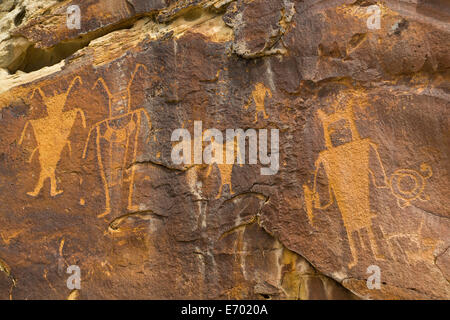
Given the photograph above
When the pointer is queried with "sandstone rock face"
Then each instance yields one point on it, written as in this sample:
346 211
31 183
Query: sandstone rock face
357 92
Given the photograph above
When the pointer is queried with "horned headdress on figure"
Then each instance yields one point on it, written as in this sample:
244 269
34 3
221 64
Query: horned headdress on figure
121 94
57 99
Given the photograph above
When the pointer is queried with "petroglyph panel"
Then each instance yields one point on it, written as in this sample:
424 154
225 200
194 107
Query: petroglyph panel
88 178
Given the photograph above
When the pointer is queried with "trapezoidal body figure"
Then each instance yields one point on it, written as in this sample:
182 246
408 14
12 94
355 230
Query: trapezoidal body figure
52 135
117 143
347 168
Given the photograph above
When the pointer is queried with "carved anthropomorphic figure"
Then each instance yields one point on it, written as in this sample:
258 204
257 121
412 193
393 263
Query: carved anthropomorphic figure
116 142
225 169
348 168
259 95
51 134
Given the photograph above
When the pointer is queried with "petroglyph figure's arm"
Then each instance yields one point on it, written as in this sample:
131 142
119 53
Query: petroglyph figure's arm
317 202
40 92
22 136
77 78
136 69
249 102
102 82
87 141
312 197
83 117
69 145
32 154
149 122
377 168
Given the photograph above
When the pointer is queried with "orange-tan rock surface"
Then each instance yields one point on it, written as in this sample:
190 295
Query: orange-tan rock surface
87 176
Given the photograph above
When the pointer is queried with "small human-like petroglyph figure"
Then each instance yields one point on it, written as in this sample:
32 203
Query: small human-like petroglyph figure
51 134
225 169
348 168
259 95
116 140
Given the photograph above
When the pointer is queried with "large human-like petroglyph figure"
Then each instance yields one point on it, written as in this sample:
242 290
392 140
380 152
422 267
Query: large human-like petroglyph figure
349 168
116 142
52 135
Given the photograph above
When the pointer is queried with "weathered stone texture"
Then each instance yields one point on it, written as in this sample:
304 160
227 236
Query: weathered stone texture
87 176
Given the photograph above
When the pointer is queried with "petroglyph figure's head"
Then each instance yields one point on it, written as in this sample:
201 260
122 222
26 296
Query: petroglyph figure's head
55 104
338 128
119 102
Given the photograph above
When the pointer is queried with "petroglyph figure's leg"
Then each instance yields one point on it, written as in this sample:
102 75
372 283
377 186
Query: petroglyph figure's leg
225 178
219 195
266 116
46 173
259 111
231 189
39 185
208 172
226 173
353 251
132 207
103 175
374 246
32 154
387 240
53 188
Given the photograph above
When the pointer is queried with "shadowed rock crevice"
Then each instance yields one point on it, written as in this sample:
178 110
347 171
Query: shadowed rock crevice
36 58
37 55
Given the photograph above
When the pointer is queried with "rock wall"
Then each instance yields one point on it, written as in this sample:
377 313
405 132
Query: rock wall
357 93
